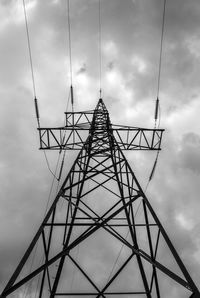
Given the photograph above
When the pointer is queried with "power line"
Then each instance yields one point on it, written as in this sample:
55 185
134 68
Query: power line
31 63
157 115
70 53
33 80
69 41
48 165
37 116
161 48
100 56
70 62
157 107
29 48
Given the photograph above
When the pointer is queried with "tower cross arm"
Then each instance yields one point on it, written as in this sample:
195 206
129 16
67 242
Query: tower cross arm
72 137
97 123
137 138
69 137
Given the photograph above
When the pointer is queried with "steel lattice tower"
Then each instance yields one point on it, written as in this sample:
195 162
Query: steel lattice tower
96 207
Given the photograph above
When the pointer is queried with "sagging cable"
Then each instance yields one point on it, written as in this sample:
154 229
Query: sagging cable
61 169
48 165
154 167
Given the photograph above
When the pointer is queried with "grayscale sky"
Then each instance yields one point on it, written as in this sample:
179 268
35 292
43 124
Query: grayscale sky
131 32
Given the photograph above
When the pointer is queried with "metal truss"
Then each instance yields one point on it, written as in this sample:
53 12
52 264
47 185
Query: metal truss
101 174
73 135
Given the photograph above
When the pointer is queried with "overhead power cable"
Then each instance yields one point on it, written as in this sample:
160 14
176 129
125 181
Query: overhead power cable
157 105
70 53
31 64
33 80
69 40
100 55
48 165
157 115
29 49
70 64
161 48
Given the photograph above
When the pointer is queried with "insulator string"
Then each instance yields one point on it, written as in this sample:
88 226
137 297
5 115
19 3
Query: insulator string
33 79
70 64
37 111
31 64
72 95
61 167
157 107
157 115
70 52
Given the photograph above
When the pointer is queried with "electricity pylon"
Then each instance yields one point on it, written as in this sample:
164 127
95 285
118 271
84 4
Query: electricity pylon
100 209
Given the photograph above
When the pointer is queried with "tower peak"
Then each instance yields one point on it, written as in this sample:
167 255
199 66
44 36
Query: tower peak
101 105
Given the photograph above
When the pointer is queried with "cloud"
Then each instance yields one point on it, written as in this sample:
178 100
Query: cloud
130 56
193 45
190 153
139 63
186 223
82 69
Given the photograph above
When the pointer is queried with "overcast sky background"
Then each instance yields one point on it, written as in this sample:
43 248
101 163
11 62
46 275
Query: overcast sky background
131 32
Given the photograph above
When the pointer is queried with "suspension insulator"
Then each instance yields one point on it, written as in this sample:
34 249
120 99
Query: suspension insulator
72 95
156 109
36 109
61 169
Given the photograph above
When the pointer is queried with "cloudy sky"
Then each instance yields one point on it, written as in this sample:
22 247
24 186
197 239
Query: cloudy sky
131 32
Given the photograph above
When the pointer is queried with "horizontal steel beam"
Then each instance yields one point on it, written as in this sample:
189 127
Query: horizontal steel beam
74 137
